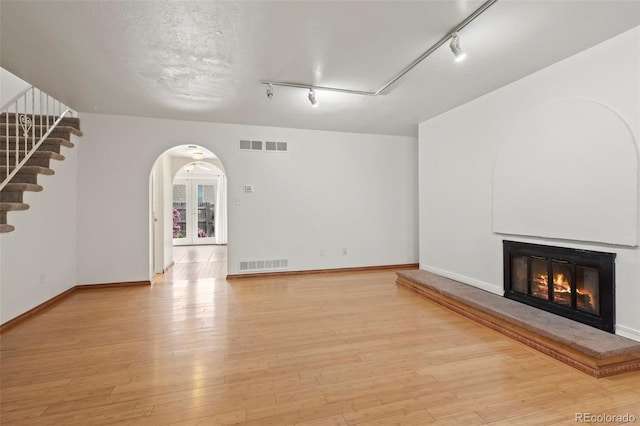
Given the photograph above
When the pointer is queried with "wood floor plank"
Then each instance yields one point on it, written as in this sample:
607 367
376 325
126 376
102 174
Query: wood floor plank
331 349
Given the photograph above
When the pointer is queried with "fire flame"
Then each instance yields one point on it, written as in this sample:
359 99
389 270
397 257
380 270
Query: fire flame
561 285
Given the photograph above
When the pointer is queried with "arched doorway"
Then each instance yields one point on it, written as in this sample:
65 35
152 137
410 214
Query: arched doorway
198 203
188 206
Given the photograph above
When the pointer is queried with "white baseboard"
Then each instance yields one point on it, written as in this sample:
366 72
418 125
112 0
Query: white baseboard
628 332
491 288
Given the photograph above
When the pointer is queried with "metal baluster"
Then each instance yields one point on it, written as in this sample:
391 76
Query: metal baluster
17 135
33 118
6 134
40 107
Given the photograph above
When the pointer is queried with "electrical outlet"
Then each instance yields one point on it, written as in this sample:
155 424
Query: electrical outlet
344 251
41 279
321 252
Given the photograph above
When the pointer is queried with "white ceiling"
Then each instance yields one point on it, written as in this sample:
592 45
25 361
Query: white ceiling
187 151
203 60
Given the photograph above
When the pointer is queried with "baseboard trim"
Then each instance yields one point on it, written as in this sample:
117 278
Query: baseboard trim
628 332
112 285
34 311
57 299
491 288
324 271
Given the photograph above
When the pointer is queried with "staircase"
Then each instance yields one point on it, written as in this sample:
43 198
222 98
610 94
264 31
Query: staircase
26 179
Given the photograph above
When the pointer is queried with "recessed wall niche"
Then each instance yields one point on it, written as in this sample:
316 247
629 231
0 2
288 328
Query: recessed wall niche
569 170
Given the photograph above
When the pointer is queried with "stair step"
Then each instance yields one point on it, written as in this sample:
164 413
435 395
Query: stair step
4 228
38 130
13 207
36 155
39 119
29 170
49 141
11 196
21 187
14 192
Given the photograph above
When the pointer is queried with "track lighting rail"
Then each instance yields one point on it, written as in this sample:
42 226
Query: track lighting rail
311 86
405 70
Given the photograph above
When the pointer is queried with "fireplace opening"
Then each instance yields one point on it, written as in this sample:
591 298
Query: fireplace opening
577 284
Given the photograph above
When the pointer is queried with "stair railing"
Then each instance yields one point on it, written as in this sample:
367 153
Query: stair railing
20 114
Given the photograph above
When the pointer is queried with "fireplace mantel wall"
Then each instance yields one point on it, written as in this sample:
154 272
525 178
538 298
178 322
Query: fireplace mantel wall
570 167
459 149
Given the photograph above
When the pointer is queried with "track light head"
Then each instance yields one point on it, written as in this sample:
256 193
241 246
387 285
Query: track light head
270 91
312 98
455 48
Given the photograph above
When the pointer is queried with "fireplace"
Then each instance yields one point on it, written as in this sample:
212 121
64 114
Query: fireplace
577 284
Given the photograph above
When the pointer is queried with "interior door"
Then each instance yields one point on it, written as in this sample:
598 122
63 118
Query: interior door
194 204
180 215
205 193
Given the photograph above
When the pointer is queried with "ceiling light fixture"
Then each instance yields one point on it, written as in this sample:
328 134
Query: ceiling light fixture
312 98
455 48
197 155
270 91
188 167
405 70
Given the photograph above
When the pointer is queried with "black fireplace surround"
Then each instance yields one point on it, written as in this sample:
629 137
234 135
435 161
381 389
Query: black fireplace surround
577 284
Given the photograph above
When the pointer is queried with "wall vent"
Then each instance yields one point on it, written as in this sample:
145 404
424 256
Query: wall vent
273 146
247 145
263 265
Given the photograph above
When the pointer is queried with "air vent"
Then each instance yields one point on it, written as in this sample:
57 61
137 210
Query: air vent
263 265
272 146
247 145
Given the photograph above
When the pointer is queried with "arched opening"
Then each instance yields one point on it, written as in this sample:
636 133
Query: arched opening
188 210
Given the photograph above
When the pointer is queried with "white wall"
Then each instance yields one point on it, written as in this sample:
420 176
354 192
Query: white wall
458 149
39 258
10 86
330 191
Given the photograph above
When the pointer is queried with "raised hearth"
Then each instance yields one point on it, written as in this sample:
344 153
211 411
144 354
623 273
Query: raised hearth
588 349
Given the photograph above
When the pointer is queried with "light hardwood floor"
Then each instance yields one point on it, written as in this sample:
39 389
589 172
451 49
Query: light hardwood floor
330 349
197 262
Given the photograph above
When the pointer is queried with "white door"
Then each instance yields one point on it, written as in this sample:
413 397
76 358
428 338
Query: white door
194 207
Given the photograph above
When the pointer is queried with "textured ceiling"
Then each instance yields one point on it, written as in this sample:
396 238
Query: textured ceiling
203 60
